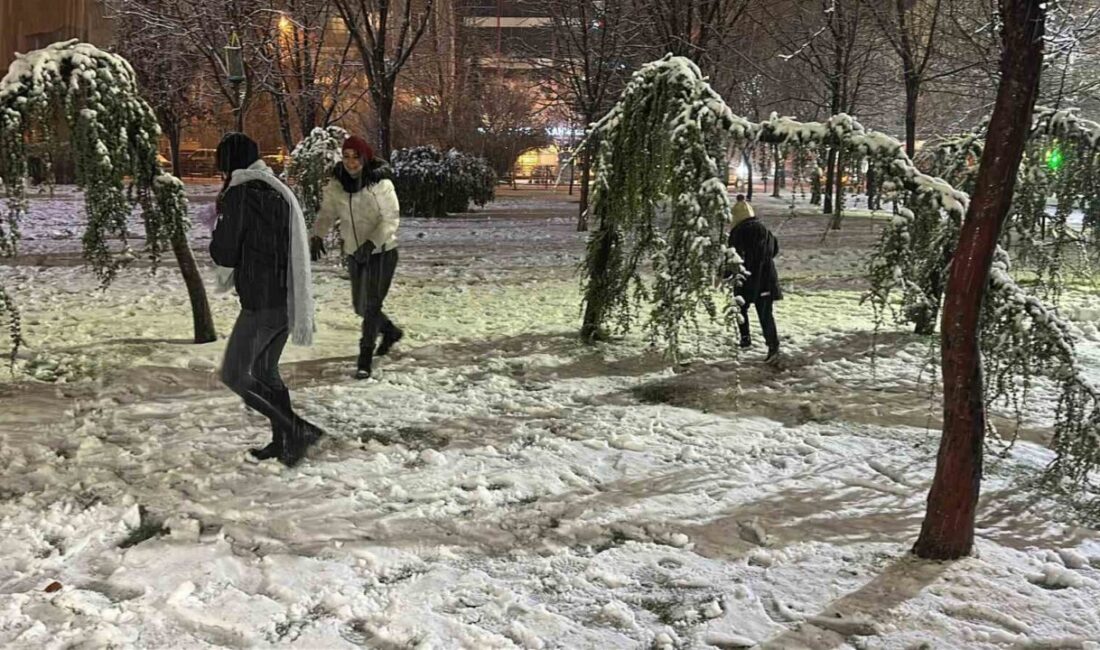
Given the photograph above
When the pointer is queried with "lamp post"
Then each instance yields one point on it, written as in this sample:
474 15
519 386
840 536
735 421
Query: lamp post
234 73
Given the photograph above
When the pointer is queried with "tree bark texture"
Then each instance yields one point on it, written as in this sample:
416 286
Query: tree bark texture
948 528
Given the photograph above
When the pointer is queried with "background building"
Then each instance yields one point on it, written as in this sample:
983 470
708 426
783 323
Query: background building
27 25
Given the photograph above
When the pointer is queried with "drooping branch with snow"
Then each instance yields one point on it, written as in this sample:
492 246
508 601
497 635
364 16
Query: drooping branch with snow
311 165
658 199
114 136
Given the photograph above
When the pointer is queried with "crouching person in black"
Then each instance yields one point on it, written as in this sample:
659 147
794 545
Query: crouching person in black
262 237
757 247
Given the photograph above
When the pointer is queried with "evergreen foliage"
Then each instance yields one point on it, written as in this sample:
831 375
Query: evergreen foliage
431 183
658 202
75 90
311 165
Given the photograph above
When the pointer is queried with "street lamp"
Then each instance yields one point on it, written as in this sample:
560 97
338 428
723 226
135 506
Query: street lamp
234 73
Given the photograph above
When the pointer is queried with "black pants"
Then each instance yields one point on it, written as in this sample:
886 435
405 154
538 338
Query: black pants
767 322
370 282
251 365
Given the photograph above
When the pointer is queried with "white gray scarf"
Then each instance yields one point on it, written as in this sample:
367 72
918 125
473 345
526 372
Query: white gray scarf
299 291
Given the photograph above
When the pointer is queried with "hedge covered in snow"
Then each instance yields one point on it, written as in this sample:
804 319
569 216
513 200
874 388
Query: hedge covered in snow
431 183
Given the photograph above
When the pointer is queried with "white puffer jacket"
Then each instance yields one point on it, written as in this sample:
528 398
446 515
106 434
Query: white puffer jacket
372 213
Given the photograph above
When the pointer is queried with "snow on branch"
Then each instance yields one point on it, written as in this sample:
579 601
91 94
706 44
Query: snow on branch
113 135
659 197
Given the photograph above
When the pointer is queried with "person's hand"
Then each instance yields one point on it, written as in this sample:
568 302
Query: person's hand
316 248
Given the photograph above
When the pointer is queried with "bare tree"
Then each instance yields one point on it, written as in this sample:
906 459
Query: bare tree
207 27
948 528
509 124
830 40
385 33
439 82
688 27
590 62
310 69
912 27
169 72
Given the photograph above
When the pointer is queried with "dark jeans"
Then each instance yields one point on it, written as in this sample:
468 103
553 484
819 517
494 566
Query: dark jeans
370 282
767 322
251 365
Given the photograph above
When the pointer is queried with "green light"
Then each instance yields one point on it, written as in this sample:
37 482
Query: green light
1055 159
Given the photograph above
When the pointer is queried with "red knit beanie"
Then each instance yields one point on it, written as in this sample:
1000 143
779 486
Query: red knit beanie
366 153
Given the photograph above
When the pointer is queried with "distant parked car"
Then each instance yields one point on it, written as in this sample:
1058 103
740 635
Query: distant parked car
200 162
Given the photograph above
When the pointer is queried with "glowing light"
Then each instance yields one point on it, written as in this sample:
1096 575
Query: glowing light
1055 158
285 26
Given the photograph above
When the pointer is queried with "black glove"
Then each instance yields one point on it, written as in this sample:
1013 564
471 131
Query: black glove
316 248
363 253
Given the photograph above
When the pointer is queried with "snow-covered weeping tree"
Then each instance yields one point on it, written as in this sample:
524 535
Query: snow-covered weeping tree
311 165
1023 337
655 165
658 199
79 92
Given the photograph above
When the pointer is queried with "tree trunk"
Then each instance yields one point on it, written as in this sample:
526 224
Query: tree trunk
830 170
173 133
383 104
201 317
586 179
778 172
912 95
838 203
748 164
597 292
284 121
872 189
948 528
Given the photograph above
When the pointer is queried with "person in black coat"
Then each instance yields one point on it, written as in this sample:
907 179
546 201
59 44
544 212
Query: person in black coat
253 237
757 247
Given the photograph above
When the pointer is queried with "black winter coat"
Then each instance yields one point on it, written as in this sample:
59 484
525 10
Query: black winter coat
253 238
757 247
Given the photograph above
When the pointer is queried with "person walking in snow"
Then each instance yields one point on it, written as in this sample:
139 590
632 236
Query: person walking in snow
757 247
362 199
261 235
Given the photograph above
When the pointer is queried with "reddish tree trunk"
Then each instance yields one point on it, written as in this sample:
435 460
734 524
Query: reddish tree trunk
948 529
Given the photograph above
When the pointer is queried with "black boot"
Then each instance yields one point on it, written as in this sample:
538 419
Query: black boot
366 344
281 399
363 365
271 450
298 442
391 334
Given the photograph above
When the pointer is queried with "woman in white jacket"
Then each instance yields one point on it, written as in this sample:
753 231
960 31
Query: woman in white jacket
361 198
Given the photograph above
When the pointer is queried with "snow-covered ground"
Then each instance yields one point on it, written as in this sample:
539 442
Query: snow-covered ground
501 485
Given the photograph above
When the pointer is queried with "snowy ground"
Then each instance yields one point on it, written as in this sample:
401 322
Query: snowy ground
500 485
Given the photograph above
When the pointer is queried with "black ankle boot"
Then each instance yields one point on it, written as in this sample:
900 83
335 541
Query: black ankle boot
389 338
298 441
363 365
272 449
